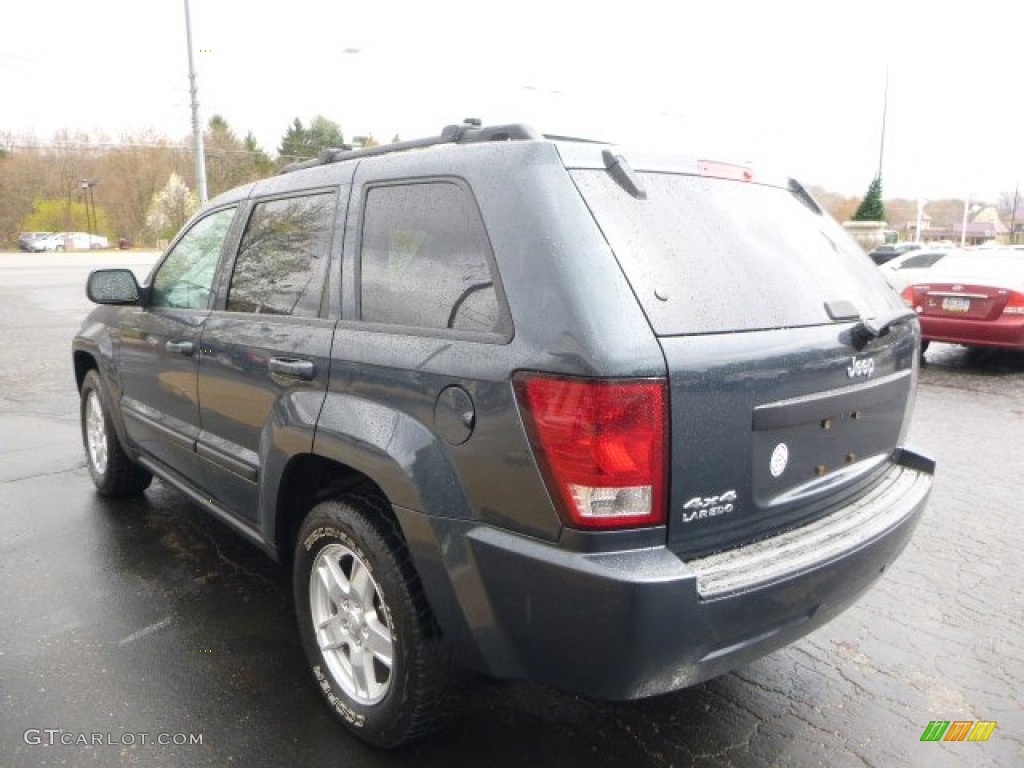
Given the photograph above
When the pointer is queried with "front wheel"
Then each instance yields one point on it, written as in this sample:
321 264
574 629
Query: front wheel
113 473
369 636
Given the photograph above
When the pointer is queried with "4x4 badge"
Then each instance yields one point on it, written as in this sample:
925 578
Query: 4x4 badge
700 507
864 368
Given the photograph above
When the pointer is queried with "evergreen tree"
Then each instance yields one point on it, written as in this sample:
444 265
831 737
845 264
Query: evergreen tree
260 160
871 207
231 161
302 143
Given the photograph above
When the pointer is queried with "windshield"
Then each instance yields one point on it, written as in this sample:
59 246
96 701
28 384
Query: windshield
709 255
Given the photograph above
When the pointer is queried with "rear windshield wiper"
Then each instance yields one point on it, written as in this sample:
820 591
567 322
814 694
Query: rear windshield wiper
879 325
623 174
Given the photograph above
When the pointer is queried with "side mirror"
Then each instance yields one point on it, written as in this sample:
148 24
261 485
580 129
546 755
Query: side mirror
112 286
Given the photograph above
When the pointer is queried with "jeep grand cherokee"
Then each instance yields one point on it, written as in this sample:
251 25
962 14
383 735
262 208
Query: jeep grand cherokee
609 420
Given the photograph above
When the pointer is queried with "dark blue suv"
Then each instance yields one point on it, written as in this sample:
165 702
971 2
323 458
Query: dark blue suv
608 420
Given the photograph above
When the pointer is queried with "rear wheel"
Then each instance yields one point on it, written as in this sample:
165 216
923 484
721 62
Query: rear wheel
113 473
369 636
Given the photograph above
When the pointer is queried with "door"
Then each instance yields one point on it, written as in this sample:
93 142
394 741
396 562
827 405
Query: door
159 348
266 349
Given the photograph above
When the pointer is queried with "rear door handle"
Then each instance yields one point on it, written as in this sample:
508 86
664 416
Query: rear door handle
185 348
292 367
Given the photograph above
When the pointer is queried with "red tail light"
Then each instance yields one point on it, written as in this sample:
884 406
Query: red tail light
601 445
909 298
1015 304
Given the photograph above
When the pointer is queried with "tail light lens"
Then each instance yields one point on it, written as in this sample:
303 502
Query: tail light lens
601 445
1015 304
908 296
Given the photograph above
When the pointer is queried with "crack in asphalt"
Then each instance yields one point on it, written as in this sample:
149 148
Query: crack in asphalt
44 474
70 419
238 567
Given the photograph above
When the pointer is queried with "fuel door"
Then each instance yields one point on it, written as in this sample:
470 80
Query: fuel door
454 415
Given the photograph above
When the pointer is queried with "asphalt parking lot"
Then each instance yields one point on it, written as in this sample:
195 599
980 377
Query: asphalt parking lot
144 622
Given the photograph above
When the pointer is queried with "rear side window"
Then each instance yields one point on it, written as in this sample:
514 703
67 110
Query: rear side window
425 260
920 261
711 255
282 259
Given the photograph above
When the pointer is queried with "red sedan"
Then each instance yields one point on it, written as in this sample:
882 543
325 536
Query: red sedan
974 298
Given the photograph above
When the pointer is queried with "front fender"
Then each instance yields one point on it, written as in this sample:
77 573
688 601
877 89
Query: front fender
95 347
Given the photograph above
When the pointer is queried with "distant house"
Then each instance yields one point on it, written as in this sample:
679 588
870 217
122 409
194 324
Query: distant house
909 229
984 226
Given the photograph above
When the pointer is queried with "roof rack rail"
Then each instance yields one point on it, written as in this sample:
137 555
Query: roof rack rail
575 139
470 131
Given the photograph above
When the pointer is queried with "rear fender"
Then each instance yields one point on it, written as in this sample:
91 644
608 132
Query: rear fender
399 453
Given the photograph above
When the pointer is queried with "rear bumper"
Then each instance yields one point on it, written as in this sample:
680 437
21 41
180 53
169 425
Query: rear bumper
1007 331
637 623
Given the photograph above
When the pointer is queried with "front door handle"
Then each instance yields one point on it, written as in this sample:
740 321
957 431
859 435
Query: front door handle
186 348
292 367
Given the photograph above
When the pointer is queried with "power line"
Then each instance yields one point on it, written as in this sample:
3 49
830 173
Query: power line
107 146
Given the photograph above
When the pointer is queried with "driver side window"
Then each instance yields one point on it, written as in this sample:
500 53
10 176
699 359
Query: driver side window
185 279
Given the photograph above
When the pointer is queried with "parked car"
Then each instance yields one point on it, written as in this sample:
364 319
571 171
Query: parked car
908 268
53 241
25 239
972 298
889 251
60 241
619 427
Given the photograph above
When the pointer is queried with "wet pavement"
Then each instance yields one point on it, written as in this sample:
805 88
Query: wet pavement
144 621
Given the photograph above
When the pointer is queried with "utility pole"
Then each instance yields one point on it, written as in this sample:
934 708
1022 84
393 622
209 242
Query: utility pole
963 226
88 198
197 128
1013 215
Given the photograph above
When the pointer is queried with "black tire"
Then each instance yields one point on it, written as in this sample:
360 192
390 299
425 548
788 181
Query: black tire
409 700
113 473
924 348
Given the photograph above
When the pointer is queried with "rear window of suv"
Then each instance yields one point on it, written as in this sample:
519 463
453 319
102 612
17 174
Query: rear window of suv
426 260
710 255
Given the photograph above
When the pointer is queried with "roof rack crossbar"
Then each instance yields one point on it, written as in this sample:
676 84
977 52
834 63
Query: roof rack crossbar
469 132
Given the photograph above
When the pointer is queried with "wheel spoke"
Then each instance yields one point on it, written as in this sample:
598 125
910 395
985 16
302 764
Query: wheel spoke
375 688
362 585
334 580
332 634
379 641
360 672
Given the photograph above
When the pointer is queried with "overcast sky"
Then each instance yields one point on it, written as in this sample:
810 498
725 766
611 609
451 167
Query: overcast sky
794 84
